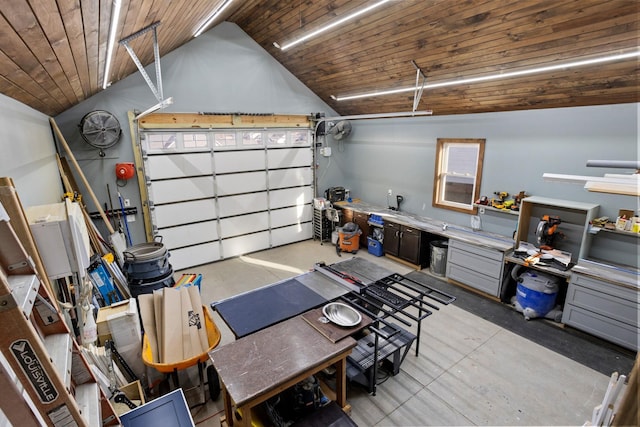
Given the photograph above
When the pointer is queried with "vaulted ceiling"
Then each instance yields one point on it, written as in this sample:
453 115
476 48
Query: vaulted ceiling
52 52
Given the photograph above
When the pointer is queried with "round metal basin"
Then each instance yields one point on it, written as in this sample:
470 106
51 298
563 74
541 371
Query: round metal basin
341 314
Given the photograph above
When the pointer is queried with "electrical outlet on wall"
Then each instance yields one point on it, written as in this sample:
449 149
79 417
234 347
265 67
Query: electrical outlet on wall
389 192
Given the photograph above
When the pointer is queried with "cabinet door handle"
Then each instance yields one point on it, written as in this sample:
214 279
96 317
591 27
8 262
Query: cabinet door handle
401 233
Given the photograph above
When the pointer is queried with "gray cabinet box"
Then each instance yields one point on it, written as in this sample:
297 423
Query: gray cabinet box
603 309
601 326
475 266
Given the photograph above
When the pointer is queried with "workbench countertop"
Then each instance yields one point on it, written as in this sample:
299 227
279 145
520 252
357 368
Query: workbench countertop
258 363
620 275
434 226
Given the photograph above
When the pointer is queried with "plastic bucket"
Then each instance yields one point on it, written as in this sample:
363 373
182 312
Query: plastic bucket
144 252
139 287
147 269
146 260
438 263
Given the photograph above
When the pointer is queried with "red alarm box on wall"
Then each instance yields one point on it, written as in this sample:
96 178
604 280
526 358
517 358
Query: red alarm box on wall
125 170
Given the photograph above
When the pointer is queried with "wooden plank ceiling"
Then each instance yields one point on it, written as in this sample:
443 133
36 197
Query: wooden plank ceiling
52 52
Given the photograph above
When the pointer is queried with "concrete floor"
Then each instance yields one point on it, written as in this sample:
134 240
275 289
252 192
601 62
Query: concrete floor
469 371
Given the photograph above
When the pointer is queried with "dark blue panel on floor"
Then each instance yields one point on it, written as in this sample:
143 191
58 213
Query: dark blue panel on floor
583 348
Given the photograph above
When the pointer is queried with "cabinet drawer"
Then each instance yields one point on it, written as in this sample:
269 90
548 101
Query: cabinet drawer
489 254
392 226
475 262
360 216
603 298
604 327
484 283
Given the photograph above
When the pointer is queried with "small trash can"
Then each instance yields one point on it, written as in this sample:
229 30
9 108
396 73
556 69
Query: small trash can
438 264
374 247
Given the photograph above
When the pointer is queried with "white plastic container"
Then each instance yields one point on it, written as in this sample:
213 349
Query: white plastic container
335 235
90 330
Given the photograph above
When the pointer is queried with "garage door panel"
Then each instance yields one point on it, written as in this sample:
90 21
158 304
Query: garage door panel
184 213
242 204
245 244
178 190
187 235
244 224
239 161
179 165
291 196
241 183
289 177
293 233
291 215
236 199
194 255
289 157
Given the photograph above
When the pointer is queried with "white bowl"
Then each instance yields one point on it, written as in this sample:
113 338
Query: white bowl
341 314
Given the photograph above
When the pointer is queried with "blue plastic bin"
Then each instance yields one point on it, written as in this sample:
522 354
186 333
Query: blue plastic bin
374 247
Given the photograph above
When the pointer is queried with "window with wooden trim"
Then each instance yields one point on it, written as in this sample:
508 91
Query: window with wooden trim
458 174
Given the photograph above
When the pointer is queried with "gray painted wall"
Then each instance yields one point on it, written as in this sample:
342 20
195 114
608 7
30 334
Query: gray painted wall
28 153
520 146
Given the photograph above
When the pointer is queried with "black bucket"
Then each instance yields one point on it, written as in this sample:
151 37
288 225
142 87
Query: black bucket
147 269
147 286
146 261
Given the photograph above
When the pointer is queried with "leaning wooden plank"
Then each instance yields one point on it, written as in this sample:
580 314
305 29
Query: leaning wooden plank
117 239
81 174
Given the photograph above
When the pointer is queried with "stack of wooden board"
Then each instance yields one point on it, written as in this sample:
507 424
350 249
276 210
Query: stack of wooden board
173 321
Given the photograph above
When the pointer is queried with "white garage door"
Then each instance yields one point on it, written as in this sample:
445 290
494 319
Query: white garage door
223 193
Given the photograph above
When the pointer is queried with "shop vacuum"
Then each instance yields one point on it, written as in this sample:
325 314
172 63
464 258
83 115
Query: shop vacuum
348 238
536 294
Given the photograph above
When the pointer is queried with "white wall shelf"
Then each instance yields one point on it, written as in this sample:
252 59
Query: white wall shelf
492 209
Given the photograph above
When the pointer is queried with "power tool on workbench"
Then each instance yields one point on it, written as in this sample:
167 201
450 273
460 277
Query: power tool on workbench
547 231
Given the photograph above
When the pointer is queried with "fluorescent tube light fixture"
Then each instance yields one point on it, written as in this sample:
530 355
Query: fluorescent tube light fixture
115 17
508 74
617 184
212 17
331 25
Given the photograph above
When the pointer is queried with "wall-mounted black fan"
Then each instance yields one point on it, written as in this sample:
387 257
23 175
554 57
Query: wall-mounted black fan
100 129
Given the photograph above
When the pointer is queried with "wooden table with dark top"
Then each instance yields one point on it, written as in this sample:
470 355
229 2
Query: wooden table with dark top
330 330
261 365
